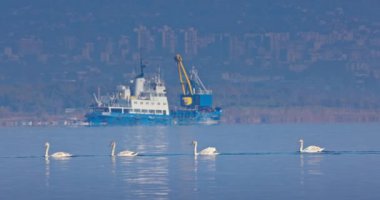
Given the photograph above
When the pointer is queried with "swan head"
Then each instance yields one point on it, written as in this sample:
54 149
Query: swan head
47 144
194 142
113 143
301 141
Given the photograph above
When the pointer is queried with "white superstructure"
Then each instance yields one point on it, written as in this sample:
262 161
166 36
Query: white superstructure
148 97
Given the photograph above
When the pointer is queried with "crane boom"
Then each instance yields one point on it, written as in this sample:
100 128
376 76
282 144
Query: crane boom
182 72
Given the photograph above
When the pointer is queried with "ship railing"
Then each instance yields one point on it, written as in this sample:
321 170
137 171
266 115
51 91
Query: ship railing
176 108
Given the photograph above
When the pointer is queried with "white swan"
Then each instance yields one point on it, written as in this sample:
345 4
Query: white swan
57 154
206 151
122 153
310 149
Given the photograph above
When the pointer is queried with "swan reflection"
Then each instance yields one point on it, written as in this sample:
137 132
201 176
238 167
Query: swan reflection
47 172
310 165
207 163
61 163
204 170
146 176
113 160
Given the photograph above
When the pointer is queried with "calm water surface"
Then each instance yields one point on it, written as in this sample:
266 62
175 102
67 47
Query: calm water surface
255 162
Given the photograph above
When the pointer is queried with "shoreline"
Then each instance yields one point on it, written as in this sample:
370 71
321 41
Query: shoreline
243 115
300 115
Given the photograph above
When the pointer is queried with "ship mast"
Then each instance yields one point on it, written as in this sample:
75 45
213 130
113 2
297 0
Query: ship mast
142 66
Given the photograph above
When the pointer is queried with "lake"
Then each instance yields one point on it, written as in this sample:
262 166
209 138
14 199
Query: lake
255 162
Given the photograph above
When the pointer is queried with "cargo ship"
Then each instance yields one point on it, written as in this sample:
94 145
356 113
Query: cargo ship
145 102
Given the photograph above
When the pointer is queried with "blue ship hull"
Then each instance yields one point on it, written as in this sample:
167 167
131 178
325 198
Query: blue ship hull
180 117
189 116
97 119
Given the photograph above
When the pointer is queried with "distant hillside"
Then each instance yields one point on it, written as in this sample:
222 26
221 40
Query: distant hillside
252 54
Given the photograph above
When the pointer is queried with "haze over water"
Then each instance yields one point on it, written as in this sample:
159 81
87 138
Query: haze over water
255 162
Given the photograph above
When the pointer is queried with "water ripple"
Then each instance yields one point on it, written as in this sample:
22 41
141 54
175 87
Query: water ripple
221 154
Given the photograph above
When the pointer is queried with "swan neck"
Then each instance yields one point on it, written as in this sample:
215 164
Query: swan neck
301 146
47 151
195 149
113 150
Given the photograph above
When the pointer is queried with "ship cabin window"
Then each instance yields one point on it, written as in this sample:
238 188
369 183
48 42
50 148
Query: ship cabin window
152 103
116 110
102 110
164 112
158 103
126 110
144 111
141 103
159 111
147 103
135 102
164 104
151 111
137 110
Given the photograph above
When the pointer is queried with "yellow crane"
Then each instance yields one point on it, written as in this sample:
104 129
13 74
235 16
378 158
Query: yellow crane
186 93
